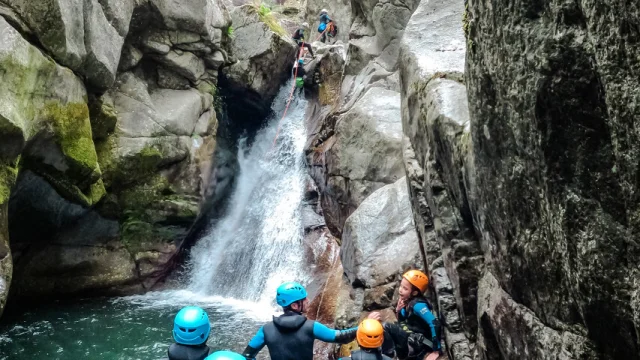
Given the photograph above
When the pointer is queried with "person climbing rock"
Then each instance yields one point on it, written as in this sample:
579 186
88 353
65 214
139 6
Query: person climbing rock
291 335
370 336
300 74
299 38
225 355
417 332
325 21
191 330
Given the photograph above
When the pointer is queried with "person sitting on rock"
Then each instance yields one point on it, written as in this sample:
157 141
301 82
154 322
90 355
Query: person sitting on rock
325 21
370 336
417 332
298 37
191 330
300 74
291 335
225 355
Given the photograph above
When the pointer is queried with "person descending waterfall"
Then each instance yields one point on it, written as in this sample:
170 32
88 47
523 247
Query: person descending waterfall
417 332
299 38
290 336
191 330
300 74
370 336
225 355
327 26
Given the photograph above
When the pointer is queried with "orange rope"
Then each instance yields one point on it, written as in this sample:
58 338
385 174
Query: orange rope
293 88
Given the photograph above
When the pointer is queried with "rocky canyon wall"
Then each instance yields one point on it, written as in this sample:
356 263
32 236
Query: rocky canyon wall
518 127
107 132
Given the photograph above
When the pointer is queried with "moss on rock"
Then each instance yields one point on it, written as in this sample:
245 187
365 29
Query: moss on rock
8 175
72 129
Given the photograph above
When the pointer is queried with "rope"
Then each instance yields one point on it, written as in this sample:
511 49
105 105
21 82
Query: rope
293 88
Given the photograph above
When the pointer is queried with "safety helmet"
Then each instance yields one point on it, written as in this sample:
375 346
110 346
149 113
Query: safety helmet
225 355
301 61
323 11
370 334
191 326
305 24
290 292
418 279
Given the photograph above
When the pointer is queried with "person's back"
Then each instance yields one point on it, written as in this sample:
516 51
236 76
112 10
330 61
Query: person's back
291 335
367 354
188 352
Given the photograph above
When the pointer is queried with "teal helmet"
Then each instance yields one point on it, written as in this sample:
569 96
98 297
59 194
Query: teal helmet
290 292
301 61
191 326
225 355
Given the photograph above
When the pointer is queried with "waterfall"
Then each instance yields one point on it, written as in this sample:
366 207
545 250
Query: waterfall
258 243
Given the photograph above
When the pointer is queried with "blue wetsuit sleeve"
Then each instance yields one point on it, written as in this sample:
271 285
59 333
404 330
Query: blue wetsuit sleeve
425 314
257 342
326 334
255 345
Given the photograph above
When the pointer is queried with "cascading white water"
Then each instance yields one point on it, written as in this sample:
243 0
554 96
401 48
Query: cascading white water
257 244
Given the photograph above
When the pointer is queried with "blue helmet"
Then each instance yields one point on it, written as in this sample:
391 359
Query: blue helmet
301 61
191 326
290 292
225 355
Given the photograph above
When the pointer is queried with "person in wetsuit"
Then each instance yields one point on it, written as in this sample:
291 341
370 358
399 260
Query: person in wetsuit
191 330
370 336
300 75
417 332
291 335
299 38
225 355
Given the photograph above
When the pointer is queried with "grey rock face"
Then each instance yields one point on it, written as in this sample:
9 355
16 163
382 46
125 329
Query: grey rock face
77 34
258 51
439 164
369 238
557 174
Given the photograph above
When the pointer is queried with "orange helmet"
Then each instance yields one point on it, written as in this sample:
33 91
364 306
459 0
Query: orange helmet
418 279
370 334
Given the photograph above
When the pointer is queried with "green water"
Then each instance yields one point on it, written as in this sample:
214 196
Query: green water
123 329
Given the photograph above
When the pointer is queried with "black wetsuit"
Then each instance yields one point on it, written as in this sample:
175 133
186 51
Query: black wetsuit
367 354
298 36
416 334
291 336
188 352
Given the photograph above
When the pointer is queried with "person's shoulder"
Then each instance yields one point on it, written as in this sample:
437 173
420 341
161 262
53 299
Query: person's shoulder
421 307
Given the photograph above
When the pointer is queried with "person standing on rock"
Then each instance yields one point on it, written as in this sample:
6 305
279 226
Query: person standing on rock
417 332
291 335
298 37
327 26
370 336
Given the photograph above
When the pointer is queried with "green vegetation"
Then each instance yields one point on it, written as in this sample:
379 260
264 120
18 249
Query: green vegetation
230 31
8 175
267 16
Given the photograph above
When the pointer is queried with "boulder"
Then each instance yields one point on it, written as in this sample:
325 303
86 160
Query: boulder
198 16
381 225
376 31
364 154
263 58
43 109
77 34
